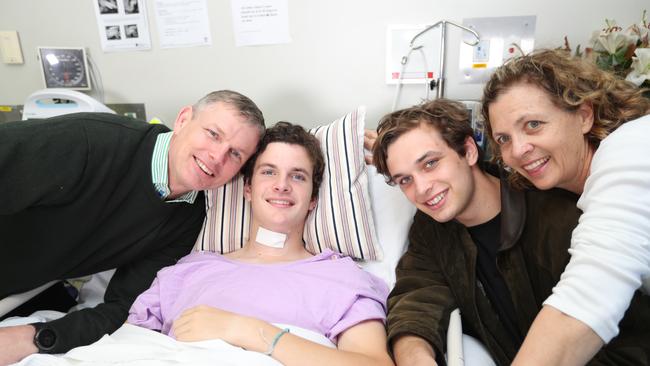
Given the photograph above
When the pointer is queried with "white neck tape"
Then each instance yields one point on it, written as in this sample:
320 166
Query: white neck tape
270 238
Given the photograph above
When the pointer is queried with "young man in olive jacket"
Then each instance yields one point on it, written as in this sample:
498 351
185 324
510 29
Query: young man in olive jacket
476 244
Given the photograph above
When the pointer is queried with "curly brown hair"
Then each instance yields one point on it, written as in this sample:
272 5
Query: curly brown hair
295 135
448 117
569 82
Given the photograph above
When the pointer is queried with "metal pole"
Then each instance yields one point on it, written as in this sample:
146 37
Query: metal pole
440 85
440 80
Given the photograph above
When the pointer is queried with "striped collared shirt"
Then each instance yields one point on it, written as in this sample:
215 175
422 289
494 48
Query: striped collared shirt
159 172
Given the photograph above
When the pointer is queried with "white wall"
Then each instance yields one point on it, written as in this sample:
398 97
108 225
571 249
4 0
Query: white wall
335 62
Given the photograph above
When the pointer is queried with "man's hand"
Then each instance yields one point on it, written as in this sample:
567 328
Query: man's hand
16 343
369 137
412 350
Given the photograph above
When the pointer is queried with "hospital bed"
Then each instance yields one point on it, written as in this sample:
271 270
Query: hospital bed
393 215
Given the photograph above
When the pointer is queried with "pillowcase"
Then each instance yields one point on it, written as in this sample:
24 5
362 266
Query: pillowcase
393 215
342 220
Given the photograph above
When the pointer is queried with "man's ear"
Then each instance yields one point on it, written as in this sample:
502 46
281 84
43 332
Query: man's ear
586 113
471 150
313 203
184 116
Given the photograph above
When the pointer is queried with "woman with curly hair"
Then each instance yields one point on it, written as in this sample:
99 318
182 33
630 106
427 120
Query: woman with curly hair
558 121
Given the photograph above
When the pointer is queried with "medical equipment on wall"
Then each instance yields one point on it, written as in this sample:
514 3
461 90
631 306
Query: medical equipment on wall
476 118
437 82
64 67
55 102
427 75
440 80
420 69
502 38
70 68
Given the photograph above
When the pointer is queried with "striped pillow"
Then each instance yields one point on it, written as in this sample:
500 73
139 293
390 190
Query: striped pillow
342 221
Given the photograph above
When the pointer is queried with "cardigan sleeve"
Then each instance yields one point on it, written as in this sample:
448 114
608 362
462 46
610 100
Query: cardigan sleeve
610 247
88 325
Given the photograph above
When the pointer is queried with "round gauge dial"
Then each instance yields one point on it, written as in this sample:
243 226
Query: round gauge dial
64 68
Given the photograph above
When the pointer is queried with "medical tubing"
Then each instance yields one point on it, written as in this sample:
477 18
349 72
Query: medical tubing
96 78
398 87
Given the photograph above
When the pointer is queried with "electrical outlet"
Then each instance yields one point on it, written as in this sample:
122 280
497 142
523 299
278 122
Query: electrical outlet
10 47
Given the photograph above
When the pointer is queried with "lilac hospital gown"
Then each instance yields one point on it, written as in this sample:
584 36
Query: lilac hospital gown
326 293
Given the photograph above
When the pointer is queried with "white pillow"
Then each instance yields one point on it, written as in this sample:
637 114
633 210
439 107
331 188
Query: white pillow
393 215
343 219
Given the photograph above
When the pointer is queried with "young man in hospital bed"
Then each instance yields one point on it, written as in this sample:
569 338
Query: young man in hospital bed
84 193
240 297
476 244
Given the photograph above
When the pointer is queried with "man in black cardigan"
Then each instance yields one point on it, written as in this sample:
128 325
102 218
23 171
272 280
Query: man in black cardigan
83 193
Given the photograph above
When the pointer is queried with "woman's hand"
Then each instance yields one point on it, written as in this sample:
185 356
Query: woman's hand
369 138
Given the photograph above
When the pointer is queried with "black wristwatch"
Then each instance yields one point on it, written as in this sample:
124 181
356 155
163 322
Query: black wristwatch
45 337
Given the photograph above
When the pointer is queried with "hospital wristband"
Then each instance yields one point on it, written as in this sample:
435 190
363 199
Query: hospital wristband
275 340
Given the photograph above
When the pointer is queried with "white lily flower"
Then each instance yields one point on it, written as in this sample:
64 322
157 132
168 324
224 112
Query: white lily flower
612 39
639 29
640 67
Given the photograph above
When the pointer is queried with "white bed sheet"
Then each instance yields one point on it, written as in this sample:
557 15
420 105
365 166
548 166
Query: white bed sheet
131 345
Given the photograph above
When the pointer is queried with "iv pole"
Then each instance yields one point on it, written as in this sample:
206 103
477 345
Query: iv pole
439 82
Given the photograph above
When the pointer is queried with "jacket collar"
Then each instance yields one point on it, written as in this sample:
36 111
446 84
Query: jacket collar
513 213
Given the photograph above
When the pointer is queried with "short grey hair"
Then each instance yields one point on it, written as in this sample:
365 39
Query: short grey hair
242 103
